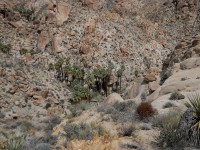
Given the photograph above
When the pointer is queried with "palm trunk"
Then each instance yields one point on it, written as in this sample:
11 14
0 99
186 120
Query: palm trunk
120 82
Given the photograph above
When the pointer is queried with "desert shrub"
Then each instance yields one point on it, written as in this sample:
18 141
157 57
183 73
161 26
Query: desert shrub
129 146
2 115
26 13
164 75
51 66
169 137
136 73
77 109
13 125
48 105
5 48
168 124
176 96
162 120
145 127
43 146
26 126
78 131
39 143
168 105
23 51
125 106
184 78
82 131
32 52
52 123
145 110
120 112
15 143
127 129
99 130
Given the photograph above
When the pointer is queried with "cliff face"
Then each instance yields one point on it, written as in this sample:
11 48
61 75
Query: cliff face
130 32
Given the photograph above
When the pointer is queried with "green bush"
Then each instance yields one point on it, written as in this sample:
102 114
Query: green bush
80 93
164 75
51 66
176 96
168 105
26 13
5 48
23 51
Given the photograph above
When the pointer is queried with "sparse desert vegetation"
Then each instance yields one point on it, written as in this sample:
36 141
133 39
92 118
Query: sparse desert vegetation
176 96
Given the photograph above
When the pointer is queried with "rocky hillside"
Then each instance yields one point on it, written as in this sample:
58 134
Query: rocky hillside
157 42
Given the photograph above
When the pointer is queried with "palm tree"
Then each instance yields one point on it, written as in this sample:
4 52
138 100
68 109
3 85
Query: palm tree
58 66
68 73
79 73
119 74
107 76
90 80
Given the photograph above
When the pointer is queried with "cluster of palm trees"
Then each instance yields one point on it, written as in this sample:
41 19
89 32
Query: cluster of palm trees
84 85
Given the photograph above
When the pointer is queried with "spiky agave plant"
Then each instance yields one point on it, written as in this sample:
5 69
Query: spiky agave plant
195 104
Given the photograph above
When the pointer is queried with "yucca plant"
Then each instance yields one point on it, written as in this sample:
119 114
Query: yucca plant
195 104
